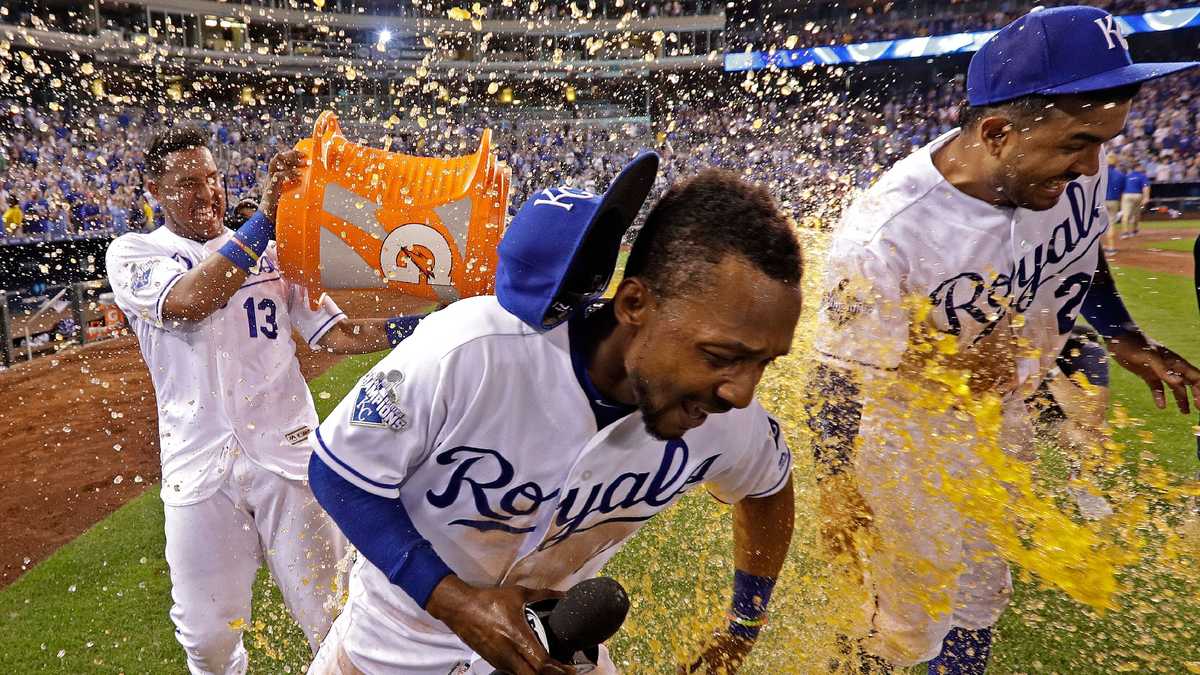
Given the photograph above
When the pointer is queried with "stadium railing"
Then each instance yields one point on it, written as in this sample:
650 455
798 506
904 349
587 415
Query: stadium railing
32 324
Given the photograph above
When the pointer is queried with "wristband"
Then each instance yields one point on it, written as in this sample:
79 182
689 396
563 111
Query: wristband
400 327
248 242
748 611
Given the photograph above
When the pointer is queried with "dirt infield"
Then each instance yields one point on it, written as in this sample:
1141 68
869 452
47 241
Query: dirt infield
81 437
1133 252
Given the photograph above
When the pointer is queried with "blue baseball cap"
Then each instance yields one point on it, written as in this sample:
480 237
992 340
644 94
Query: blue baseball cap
560 249
1064 50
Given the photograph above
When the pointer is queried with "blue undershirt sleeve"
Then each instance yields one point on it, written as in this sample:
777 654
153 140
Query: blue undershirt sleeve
381 529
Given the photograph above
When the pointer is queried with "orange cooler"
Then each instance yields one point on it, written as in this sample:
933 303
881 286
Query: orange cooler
369 219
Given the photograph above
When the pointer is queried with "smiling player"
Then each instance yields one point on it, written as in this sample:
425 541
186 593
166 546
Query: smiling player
998 224
214 320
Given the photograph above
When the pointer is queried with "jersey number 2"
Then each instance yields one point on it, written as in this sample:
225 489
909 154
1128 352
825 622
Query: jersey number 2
1077 284
269 328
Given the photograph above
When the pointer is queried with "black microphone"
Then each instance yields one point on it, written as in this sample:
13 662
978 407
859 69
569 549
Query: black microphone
591 612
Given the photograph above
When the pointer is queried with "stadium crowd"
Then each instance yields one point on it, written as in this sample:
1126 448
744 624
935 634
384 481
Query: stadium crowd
58 178
844 23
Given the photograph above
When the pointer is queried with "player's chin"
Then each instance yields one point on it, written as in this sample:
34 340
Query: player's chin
672 424
1043 197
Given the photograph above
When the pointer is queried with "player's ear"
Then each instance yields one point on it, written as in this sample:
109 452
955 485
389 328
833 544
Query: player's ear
152 188
631 302
993 132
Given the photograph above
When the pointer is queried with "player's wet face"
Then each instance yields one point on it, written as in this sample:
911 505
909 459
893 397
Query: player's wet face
1038 160
703 351
191 193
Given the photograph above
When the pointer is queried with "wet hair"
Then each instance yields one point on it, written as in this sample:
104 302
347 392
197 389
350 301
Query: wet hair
1027 108
705 218
172 139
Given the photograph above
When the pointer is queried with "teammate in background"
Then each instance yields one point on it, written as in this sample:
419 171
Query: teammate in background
1134 199
214 321
1071 405
1112 202
484 464
1010 261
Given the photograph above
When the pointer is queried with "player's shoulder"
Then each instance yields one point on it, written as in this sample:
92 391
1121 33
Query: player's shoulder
473 326
749 426
159 240
886 206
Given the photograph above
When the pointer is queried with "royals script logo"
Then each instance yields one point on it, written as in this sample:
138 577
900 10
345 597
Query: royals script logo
489 480
971 296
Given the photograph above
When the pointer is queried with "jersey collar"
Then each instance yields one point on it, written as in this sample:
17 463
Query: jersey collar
604 409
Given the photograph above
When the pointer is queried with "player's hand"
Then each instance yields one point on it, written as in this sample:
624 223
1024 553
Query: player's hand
1160 367
491 621
283 173
844 513
723 655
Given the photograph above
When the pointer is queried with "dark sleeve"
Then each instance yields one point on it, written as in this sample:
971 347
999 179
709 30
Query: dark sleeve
834 415
1103 307
381 529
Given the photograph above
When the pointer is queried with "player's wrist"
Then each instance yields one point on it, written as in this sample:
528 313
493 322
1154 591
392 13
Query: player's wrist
249 242
748 609
447 598
400 327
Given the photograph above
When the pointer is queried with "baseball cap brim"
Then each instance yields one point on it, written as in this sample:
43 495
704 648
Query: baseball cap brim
1132 74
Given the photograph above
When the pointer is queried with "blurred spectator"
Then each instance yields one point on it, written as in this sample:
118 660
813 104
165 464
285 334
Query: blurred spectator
13 216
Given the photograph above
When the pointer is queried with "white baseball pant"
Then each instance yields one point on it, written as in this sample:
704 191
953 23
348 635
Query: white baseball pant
934 568
215 548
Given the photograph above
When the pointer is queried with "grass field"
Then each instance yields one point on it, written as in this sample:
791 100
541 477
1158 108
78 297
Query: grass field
100 604
1184 244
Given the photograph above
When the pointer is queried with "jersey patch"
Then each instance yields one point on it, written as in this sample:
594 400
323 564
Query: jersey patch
139 274
376 405
298 435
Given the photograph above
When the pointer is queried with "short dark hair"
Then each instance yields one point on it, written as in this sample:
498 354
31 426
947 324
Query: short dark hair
1026 108
701 220
172 139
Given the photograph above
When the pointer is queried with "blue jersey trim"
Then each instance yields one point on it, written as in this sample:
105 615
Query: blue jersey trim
605 410
162 296
260 281
382 486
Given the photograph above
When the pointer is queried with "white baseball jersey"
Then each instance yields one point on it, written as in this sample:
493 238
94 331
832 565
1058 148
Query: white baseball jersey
230 380
482 428
913 233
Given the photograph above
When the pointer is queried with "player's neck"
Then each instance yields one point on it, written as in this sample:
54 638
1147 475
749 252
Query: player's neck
605 350
963 165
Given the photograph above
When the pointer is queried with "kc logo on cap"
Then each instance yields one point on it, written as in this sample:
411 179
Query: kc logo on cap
554 196
1112 32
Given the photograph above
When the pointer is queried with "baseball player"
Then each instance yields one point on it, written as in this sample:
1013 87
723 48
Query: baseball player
214 320
998 225
1134 197
485 464
1112 202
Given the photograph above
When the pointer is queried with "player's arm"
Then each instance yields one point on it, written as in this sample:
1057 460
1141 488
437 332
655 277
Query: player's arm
762 533
1137 352
363 336
208 286
490 620
834 415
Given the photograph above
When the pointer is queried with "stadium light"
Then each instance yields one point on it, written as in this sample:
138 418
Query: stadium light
385 36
